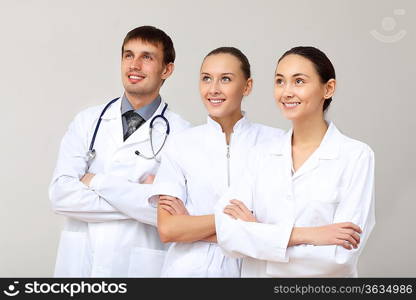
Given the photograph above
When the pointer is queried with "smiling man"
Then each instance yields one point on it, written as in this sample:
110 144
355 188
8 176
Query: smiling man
106 164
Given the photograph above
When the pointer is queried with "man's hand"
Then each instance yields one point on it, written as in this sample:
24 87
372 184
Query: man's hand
149 179
86 179
238 210
173 205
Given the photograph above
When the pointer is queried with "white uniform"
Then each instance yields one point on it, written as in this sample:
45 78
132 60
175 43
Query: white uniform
110 230
335 184
198 169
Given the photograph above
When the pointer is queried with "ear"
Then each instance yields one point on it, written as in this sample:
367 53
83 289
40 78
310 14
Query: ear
330 88
248 87
167 71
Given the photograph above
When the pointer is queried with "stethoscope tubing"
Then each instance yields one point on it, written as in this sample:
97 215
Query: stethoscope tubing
91 151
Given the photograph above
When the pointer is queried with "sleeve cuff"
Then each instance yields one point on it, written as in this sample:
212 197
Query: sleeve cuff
165 188
275 239
96 181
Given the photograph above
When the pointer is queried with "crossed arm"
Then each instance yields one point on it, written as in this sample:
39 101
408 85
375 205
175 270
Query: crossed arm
112 198
176 225
344 234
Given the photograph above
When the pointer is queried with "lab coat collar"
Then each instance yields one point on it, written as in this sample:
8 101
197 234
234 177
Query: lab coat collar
330 146
328 149
113 112
241 124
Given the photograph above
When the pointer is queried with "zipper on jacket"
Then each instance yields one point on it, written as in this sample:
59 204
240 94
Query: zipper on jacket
228 165
228 160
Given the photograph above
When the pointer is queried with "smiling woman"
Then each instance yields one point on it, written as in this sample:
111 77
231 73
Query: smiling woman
305 206
201 163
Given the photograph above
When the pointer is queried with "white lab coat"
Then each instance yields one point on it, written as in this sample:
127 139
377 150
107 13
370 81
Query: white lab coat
110 230
197 169
335 184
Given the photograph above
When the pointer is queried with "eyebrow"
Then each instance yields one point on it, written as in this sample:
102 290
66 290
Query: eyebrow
228 73
142 53
148 53
294 75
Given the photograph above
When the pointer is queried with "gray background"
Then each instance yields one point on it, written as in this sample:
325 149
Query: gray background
59 57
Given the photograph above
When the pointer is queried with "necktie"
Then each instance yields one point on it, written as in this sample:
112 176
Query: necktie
134 121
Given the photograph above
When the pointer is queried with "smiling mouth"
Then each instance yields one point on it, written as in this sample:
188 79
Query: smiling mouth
135 77
216 100
290 104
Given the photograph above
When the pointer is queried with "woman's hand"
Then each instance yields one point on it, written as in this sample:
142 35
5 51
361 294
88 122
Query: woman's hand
173 205
345 234
238 210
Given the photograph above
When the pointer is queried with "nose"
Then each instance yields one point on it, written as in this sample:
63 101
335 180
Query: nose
214 88
136 64
287 92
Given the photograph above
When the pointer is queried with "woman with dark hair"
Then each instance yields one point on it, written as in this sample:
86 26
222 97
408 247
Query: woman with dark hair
199 165
305 207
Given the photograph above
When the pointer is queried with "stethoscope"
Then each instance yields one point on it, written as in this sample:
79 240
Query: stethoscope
91 153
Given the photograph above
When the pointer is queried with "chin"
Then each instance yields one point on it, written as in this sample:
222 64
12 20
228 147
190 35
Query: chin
214 112
290 116
218 114
215 115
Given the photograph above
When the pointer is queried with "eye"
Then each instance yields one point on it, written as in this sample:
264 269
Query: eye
147 57
279 81
206 78
299 81
128 55
225 79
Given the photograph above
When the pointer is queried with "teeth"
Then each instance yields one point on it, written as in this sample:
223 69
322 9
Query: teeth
293 104
135 77
216 101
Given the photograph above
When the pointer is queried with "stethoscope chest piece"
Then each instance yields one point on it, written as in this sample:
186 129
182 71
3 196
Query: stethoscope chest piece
91 154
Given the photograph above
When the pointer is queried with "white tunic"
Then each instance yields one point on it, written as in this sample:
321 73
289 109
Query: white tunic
110 227
335 184
197 167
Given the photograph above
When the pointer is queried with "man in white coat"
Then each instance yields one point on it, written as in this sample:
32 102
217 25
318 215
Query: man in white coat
101 181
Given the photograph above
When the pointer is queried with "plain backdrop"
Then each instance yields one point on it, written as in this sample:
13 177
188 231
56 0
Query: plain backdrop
59 57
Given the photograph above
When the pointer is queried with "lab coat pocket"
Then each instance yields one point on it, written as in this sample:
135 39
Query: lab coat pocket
325 192
145 262
325 199
142 168
71 259
186 260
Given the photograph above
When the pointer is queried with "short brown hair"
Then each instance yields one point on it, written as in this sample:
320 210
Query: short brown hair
154 36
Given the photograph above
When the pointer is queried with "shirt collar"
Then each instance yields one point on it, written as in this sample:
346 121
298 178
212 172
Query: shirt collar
146 112
239 126
328 149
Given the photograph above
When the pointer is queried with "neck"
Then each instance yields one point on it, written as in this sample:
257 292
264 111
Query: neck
309 132
227 123
138 101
